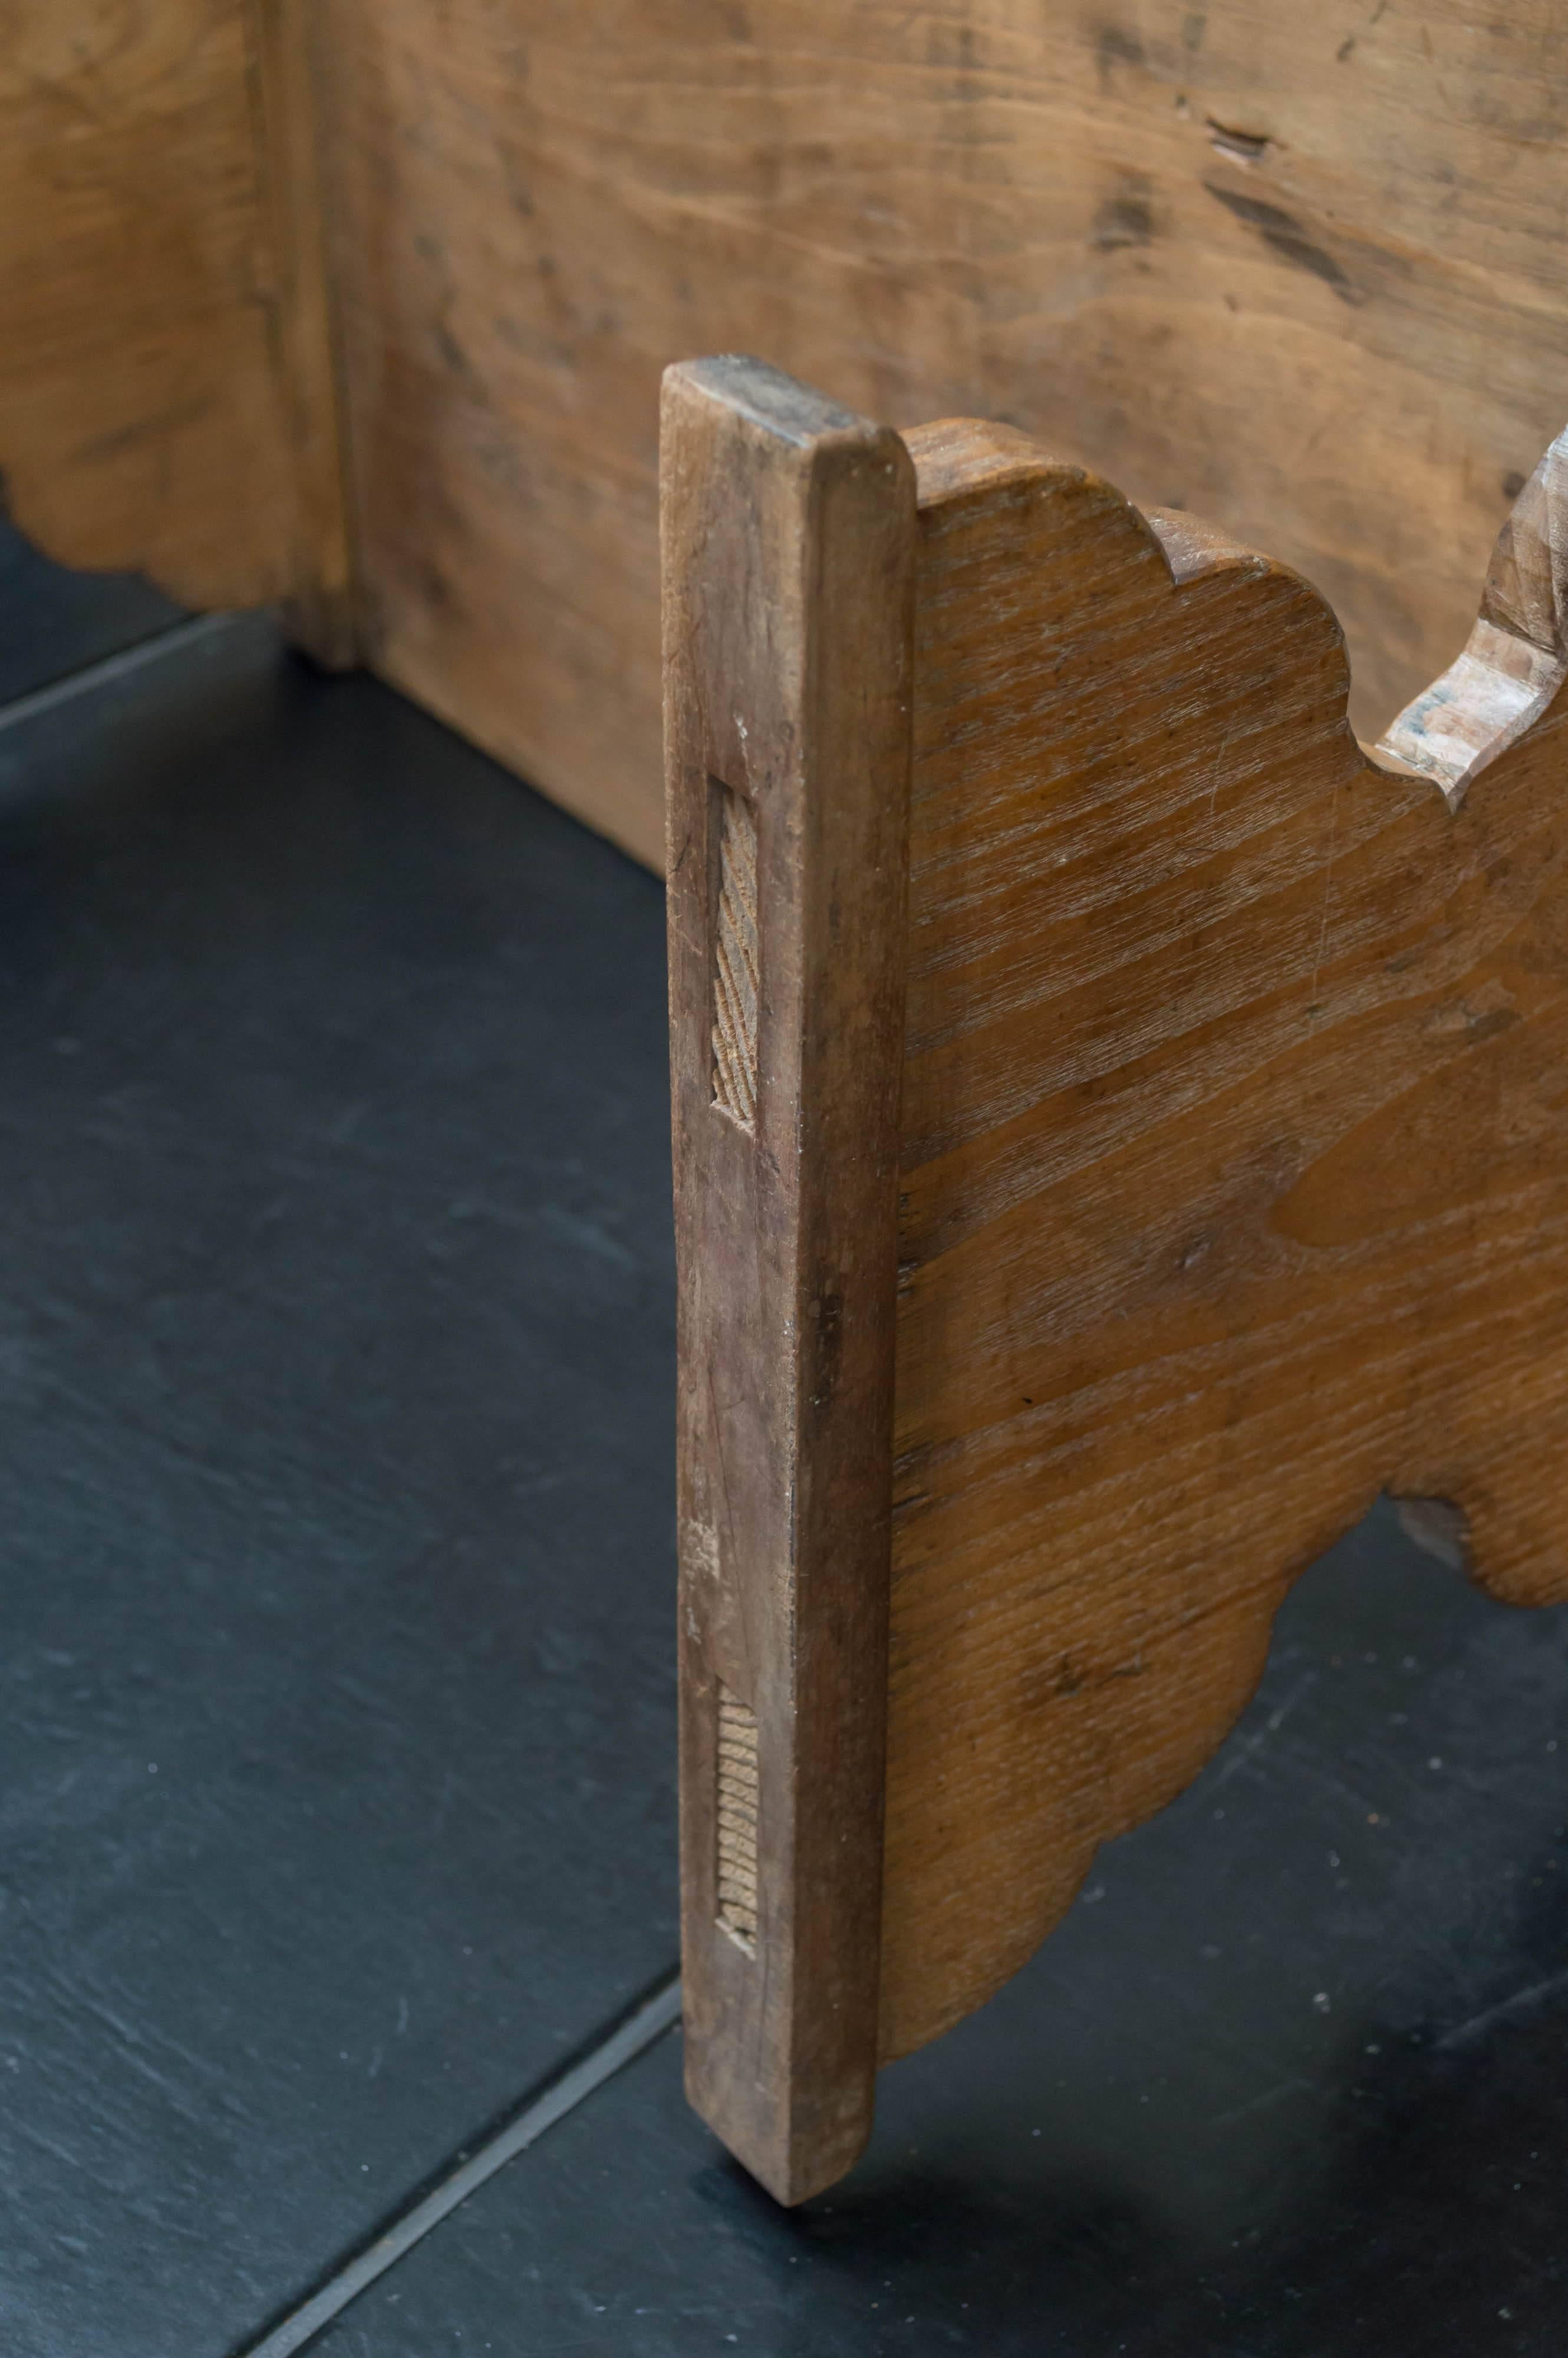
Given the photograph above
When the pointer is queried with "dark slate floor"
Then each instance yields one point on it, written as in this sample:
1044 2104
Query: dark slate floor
1291 2082
336 1731
54 622
336 1725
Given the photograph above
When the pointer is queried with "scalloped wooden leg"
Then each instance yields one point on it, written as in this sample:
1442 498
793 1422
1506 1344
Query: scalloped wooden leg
1233 1137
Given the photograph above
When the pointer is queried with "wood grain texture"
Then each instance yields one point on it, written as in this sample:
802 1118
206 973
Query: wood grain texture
302 345
164 381
789 541
1299 271
1235 1163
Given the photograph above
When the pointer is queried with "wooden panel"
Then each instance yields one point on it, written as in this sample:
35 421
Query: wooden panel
790 542
320 557
1299 270
165 383
1235 1159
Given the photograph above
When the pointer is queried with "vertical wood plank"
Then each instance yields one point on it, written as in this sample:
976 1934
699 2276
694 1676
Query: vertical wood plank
320 606
789 558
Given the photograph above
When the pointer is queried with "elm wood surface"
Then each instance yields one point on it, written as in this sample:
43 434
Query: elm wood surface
1234 1169
789 546
1290 2081
1298 270
165 373
337 1359
1233 1187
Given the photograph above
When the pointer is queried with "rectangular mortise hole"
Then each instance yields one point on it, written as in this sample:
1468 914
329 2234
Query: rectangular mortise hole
736 1817
735 961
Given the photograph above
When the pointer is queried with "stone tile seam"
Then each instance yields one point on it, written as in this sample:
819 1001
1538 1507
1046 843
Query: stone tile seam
111 669
649 2020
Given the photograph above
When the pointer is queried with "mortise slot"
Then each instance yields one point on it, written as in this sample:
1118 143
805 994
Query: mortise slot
735 963
737 1817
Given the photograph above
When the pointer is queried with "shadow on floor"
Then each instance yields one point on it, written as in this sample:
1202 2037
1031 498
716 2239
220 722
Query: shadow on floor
1288 2084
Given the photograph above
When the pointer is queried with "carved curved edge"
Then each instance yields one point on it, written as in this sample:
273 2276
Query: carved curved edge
1502 683
1502 688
